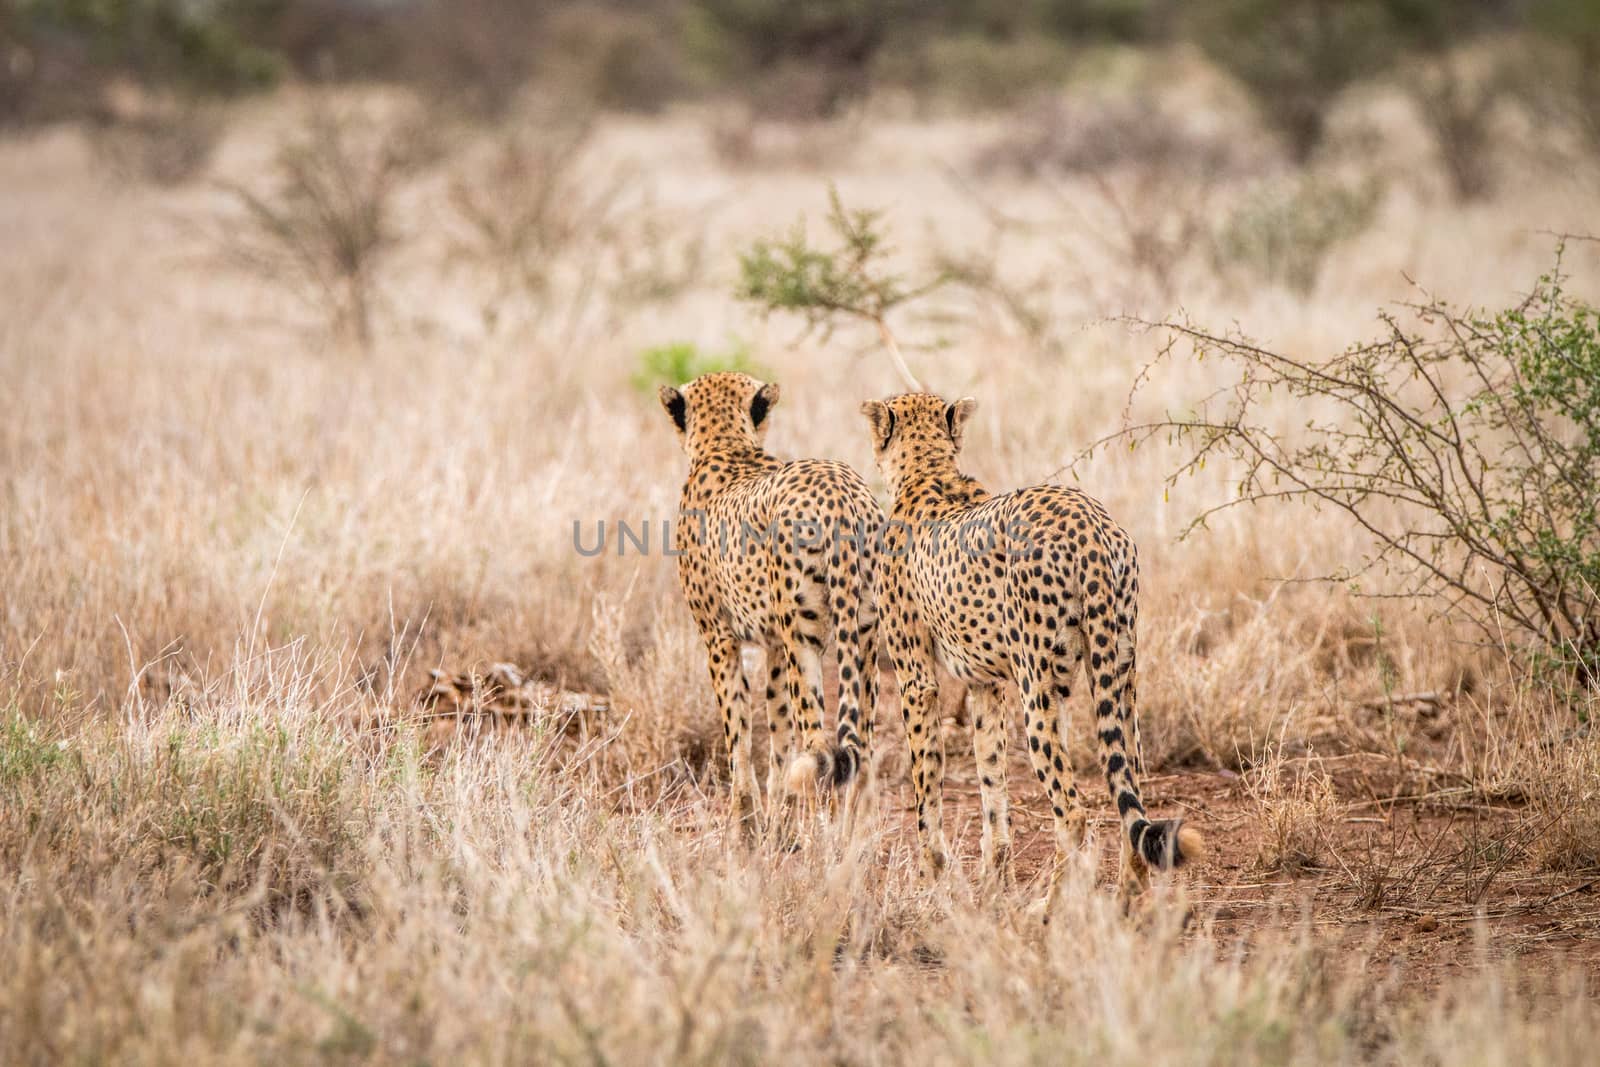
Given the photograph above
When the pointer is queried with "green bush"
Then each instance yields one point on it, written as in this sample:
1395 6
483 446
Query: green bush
58 54
1465 444
1296 56
815 56
980 70
1573 26
25 753
852 281
684 361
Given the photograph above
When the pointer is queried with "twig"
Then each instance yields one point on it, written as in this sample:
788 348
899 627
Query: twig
895 357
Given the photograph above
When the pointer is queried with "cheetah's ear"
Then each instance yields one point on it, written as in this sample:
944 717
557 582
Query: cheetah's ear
677 407
765 397
956 415
881 417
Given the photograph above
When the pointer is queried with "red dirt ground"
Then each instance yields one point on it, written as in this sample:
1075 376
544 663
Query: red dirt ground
1418 880
1416 877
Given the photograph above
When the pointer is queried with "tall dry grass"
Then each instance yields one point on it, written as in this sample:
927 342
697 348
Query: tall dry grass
225 541
224 890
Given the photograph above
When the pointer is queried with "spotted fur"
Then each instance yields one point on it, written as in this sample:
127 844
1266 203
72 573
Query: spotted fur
1016 588
779 556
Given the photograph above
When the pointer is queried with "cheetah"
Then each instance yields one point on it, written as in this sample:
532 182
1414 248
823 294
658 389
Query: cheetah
1013 588
776 555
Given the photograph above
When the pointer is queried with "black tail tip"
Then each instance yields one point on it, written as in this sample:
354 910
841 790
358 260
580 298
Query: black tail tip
1166 844
846 762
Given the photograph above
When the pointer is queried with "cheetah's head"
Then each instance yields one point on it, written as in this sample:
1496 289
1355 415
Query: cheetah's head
723 412
916 431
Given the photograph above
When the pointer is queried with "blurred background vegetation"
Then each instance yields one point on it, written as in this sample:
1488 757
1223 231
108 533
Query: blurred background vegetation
66 58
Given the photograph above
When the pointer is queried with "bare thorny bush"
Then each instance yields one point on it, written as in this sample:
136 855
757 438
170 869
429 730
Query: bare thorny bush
1159 194
548 224
165 145
1460 111
1143 184
540 224
532 204
1466 444
325 225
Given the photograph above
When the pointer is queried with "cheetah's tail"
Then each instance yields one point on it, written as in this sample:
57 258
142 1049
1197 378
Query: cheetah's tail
831 769
1166 843
846 760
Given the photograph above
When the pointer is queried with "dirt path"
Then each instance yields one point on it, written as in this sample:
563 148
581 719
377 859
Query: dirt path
1433 885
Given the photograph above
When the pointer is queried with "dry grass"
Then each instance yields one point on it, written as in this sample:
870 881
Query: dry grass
478 907
225 543
1295 802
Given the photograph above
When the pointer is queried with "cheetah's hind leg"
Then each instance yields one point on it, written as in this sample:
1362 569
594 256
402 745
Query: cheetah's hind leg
783 801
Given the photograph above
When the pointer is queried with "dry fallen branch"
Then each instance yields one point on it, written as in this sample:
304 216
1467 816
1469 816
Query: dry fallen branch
501 697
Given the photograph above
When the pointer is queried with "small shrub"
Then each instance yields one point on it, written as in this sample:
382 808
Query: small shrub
620 60
1294 806
1572 27
529 209
683 361
741 140
273 816
1283 234
851 281
168 146
473 57
1024 304
1455 86
1151 176
25 753
656 261
1460 112
731 133
269 808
